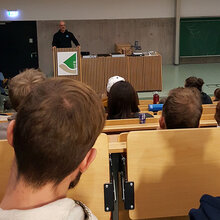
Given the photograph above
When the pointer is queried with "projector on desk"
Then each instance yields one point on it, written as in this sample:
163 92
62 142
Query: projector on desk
123 49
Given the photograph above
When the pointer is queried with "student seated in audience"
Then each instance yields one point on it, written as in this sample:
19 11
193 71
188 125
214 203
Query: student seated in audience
217 95
162 100
56 126
3 84
198 83
123 101
217 114
19 87
209 209
111 81
182 109
209 206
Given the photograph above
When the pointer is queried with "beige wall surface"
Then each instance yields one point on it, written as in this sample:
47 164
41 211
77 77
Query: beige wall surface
87 9
200 8
106 9
100 36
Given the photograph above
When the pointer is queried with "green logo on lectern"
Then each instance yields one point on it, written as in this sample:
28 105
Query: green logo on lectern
71 62
69 65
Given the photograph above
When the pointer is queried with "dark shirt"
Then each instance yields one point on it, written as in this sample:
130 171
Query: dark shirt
209 209
205 98
63 40
134 115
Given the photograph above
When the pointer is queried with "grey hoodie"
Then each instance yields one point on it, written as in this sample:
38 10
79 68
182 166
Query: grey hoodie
63 209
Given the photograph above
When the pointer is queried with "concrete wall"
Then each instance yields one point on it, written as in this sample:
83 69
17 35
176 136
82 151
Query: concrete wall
87 9
106 9
200 8
100 36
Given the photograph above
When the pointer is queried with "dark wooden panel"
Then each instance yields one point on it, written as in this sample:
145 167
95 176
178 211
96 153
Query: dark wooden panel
94 73
116 66
136 72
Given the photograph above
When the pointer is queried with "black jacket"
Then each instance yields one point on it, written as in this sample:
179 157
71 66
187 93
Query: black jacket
205 98
209 209
63 40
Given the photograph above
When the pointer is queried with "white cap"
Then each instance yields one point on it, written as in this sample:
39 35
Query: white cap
113 80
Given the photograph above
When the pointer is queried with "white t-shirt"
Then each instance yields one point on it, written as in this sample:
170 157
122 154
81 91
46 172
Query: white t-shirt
63 209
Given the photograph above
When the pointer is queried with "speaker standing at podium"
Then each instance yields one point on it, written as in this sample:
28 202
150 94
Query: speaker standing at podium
63 38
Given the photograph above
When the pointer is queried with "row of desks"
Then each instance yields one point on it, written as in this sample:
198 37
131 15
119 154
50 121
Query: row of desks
114 130
120 147
147 126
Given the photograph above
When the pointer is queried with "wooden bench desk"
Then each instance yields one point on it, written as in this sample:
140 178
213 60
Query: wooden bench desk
172 170
129 127
120 147
147 126
117 147
208 123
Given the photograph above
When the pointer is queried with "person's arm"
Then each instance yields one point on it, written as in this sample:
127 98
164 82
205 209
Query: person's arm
75 41
54 43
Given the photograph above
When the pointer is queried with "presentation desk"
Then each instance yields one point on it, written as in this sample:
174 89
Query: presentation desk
143 72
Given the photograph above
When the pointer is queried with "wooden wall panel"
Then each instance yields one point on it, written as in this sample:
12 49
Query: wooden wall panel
144 73
94 73
116 66
136 72
152 73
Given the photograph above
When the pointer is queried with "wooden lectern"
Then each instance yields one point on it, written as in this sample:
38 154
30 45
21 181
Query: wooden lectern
67 63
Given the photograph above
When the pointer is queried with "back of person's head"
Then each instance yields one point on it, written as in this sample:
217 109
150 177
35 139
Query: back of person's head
182 109
122 101
217 113
21 85
56 126
163 100
194 82
112 81
217 94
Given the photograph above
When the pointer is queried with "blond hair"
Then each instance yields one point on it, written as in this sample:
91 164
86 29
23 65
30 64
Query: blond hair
21 85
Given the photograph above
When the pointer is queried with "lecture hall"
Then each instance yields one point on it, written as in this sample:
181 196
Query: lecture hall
110 110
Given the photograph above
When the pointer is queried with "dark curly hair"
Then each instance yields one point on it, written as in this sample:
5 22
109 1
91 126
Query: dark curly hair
195 82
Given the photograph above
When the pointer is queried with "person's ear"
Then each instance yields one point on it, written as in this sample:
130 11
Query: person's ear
10 131
90 156
162 122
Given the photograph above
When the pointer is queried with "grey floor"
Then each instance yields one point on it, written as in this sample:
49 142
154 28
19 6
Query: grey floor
174 76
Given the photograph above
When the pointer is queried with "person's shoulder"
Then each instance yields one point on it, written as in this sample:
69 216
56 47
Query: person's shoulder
78 210
57 33
209 206
88 214
204 94
68 32
206 99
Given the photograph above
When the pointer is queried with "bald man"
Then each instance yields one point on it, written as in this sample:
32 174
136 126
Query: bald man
63 38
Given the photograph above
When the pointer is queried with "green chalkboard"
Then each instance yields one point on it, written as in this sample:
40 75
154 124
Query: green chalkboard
200 36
